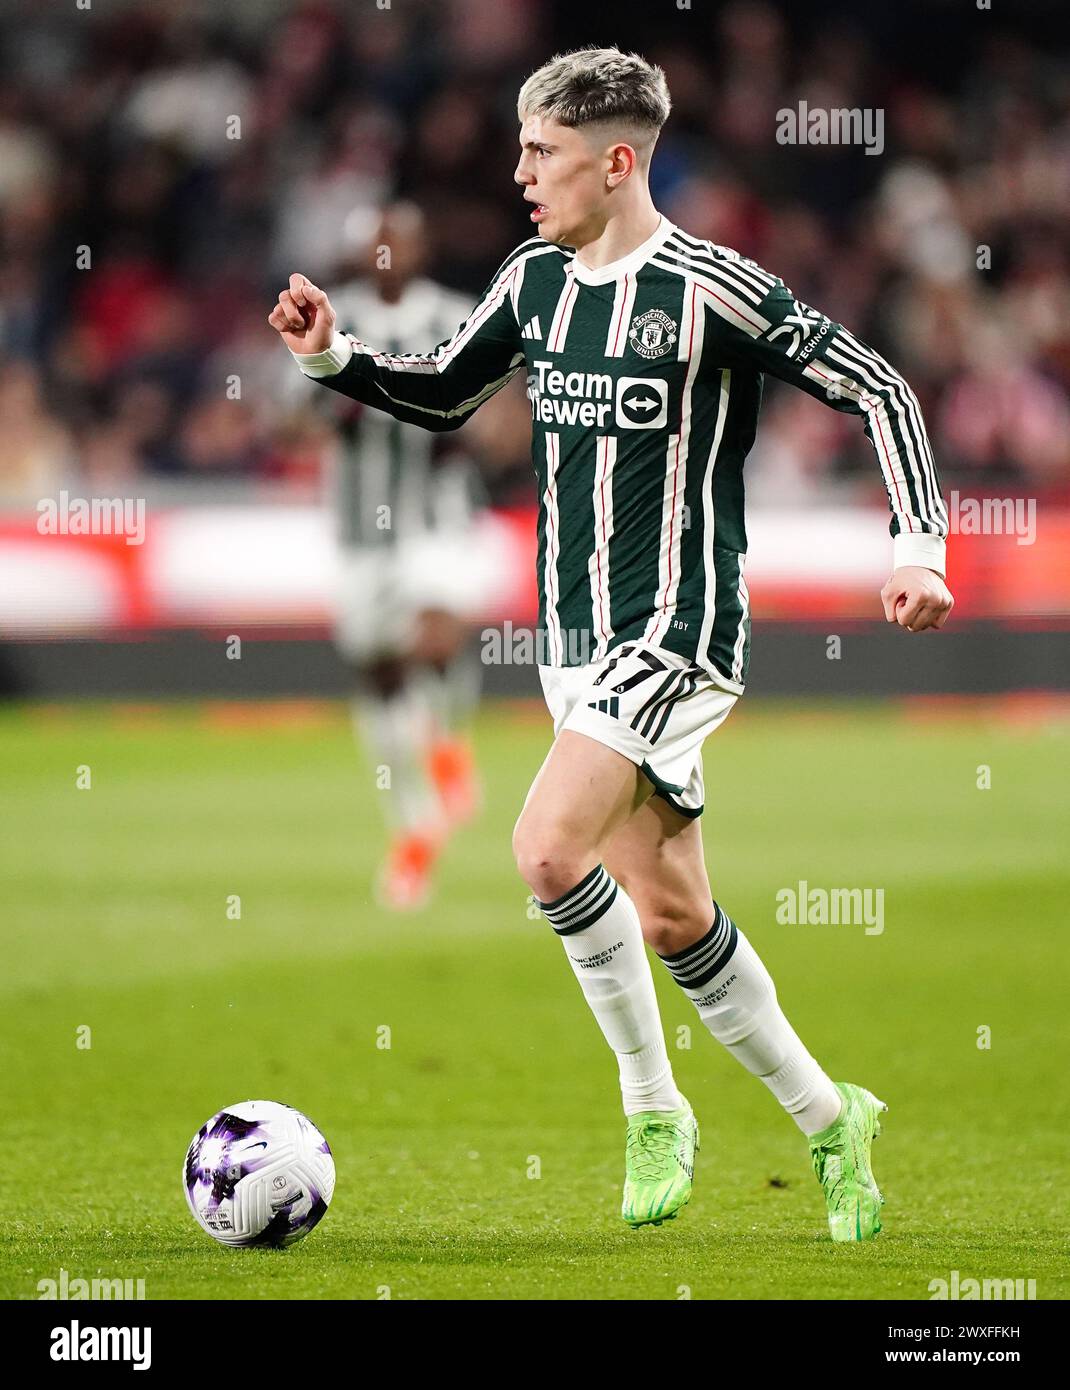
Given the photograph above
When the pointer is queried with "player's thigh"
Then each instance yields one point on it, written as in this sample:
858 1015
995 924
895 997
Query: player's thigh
371 624
442 588
583 793
439 634
658 859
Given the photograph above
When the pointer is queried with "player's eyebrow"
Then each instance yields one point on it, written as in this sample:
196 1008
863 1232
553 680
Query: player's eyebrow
536 145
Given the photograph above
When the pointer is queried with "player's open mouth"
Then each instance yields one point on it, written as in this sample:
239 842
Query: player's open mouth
539 212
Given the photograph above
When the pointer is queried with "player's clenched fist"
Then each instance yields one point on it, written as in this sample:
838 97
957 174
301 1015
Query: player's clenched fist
916 598
303 316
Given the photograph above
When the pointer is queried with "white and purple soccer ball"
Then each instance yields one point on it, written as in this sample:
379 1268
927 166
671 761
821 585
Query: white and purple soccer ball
258 1173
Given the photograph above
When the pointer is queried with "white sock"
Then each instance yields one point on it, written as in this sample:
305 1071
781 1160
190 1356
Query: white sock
599 929
736 999
396 732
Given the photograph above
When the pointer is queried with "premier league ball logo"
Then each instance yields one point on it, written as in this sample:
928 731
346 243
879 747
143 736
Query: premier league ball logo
652 334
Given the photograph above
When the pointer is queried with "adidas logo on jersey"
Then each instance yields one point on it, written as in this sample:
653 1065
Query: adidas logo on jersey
532 328
610 706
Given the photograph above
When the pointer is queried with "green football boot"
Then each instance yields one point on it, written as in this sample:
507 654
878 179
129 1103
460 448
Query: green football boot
659 1165
840 1158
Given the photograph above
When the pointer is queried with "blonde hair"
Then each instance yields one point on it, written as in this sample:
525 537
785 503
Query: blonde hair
590 86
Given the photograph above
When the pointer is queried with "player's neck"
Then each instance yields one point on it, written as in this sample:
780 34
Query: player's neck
621 235
391 291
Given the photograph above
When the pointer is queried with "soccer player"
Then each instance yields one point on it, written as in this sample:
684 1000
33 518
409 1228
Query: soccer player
407 580
645 349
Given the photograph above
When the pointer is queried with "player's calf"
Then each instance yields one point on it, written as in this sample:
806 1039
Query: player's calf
670 924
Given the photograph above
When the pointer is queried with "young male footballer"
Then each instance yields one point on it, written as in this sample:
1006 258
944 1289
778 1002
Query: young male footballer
406 586
645 349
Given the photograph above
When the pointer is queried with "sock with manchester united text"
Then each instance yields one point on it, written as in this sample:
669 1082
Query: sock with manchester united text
599 929
736 999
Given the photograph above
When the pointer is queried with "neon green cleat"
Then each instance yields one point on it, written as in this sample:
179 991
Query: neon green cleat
840 1158
659 1165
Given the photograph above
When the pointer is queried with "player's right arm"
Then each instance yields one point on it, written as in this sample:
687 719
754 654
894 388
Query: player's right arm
437 390
761 324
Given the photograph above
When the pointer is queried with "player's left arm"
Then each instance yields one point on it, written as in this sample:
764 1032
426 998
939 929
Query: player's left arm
803 346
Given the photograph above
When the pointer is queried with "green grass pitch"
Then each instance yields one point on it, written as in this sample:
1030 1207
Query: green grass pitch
481 1155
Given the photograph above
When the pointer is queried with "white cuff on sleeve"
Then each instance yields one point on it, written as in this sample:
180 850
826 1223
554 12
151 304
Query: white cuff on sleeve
329 363
917 548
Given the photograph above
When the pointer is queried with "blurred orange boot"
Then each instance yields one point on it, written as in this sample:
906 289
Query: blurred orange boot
452 769
405 879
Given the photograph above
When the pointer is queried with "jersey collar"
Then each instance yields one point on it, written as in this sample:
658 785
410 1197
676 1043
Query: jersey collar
627 264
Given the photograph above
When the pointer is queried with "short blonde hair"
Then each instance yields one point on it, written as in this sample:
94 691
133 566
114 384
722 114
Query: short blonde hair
591 86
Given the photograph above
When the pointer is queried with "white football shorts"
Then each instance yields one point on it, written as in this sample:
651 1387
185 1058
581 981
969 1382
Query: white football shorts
653 706
382 589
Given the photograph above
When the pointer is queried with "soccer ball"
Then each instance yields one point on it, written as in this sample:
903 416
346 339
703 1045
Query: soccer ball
258 1173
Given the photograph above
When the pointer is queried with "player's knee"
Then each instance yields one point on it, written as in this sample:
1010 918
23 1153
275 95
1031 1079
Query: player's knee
547 862
385 678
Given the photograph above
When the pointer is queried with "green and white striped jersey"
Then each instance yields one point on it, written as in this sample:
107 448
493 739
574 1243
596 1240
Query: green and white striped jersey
645 379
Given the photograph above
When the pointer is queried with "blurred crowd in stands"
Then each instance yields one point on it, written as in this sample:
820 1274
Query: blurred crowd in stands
146 232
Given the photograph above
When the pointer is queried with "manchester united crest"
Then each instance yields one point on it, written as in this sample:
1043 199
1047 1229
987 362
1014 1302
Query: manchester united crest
652 334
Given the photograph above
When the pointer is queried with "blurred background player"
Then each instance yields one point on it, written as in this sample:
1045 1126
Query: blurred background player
408 570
